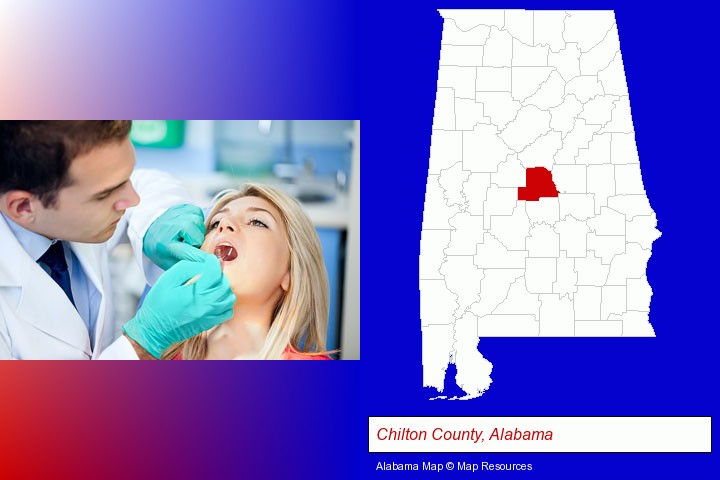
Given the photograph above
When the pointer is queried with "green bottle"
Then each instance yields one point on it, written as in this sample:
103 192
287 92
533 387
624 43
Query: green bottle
158 133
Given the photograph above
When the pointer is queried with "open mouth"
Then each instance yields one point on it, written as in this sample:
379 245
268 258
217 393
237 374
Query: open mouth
225 252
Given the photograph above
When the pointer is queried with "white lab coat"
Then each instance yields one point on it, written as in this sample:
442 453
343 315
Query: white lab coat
37 320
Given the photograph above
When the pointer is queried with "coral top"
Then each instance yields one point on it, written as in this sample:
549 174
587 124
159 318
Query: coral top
289 354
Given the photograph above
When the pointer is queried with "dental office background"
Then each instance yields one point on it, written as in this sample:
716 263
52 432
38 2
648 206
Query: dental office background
315 161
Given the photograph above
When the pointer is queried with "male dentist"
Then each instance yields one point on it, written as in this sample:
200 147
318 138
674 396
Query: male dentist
68 196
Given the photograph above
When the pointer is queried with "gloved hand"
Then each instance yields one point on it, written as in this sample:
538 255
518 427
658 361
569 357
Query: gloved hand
175 235
173 312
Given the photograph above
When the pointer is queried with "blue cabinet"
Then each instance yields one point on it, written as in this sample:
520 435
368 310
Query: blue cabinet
332 243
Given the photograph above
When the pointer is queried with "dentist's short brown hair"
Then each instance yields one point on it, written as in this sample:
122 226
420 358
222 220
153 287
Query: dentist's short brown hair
35 155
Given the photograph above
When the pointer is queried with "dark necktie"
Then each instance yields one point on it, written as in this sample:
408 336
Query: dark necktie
54 258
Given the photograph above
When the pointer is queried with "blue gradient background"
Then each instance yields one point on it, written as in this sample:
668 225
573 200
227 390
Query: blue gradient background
376 61
178 59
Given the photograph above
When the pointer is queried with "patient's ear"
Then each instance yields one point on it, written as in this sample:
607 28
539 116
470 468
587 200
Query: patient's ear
19 206
285 284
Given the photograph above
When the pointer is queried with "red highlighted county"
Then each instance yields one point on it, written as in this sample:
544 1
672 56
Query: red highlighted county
538 183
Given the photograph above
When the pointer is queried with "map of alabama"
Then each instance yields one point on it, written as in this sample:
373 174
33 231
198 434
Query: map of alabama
536 220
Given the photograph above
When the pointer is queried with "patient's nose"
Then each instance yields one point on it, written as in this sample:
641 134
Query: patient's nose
226 224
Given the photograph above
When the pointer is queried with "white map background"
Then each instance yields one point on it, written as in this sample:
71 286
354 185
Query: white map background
521 89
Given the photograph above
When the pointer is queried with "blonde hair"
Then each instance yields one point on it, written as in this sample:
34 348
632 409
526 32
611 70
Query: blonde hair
301 315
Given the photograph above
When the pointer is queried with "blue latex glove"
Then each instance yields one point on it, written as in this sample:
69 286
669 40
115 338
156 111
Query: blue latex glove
175 235
173 312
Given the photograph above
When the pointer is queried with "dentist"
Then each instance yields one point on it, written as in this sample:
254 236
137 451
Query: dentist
68 196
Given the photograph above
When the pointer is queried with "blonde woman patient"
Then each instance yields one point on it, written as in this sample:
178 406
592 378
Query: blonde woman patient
271 256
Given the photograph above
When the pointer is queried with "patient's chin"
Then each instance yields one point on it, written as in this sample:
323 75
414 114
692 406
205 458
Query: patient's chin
232 279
